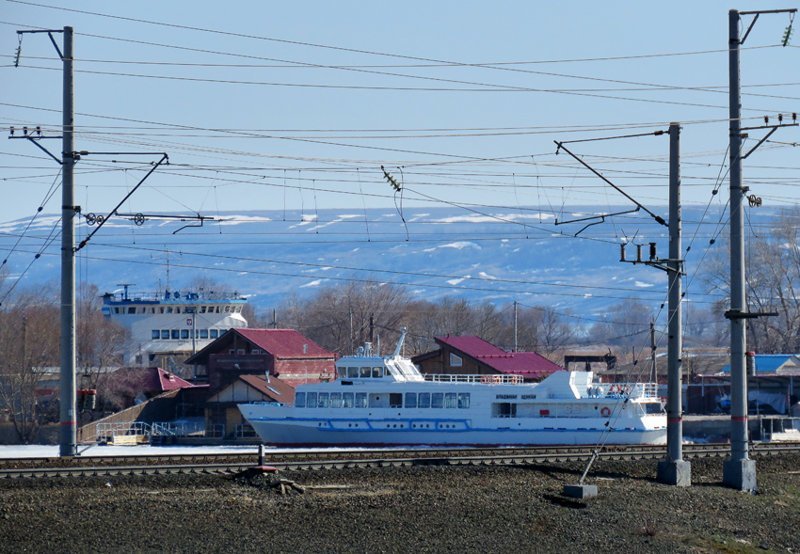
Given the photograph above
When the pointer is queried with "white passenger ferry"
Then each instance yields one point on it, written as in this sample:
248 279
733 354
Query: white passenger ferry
386 401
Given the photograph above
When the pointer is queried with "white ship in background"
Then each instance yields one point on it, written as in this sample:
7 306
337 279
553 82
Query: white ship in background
166 328
378 400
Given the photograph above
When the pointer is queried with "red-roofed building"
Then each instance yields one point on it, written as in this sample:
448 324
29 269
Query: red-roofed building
127 386
474 356
283 353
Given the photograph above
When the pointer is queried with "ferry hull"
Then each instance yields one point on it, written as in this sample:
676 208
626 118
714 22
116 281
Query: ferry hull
285 432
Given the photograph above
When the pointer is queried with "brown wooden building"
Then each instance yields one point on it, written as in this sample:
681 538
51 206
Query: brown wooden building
283 353
222 408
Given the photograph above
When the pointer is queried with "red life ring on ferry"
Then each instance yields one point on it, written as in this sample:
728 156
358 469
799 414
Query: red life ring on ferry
605 411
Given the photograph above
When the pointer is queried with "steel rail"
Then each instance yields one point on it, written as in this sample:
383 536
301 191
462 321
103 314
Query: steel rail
366 459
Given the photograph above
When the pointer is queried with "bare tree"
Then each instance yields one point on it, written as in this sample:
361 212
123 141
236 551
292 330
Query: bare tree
29 342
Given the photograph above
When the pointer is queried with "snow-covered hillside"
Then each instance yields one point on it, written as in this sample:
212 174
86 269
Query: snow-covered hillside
268 255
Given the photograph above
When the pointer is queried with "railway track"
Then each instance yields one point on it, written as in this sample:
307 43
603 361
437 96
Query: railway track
225 463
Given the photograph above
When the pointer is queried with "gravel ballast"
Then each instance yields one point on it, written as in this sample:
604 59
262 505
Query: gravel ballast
425 509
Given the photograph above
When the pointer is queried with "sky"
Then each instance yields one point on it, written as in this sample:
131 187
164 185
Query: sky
297 105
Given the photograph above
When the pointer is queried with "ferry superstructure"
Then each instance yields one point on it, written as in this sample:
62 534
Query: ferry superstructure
379 400
166 328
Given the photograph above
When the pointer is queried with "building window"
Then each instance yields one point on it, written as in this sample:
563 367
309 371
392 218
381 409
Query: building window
164 334
176 334
455 361
155 334
241 352
203 333
255 351
213 333
184 333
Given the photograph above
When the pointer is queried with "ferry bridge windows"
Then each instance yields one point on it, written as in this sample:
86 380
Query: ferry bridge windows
352 372
175 334
424 400
364 372
377 372
437 400
203 333
300 400
156 334
411 400
184 333
164 333
213 333
132 310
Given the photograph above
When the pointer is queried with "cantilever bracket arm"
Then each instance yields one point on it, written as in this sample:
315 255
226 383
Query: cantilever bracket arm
35 142
164 158
772 130
658 218
601 217
200 218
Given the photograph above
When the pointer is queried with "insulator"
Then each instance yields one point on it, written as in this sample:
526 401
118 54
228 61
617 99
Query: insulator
638 252
622 252
652 251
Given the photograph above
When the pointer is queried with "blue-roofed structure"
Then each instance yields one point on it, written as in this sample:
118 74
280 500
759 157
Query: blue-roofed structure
773 364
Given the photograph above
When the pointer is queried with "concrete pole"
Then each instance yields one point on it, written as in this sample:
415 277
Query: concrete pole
674 470
68 416
516 335
653 367
738 471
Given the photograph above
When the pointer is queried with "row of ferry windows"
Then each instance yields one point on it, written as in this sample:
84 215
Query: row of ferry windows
178 334
359 372
379 400
177 309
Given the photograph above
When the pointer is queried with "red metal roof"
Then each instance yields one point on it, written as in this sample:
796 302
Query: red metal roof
527 364
285 343
168 381
276 389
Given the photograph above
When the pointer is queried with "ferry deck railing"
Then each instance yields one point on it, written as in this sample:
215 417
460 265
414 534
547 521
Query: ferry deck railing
485 379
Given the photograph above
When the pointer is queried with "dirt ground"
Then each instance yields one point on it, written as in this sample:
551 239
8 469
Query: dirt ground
422 509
